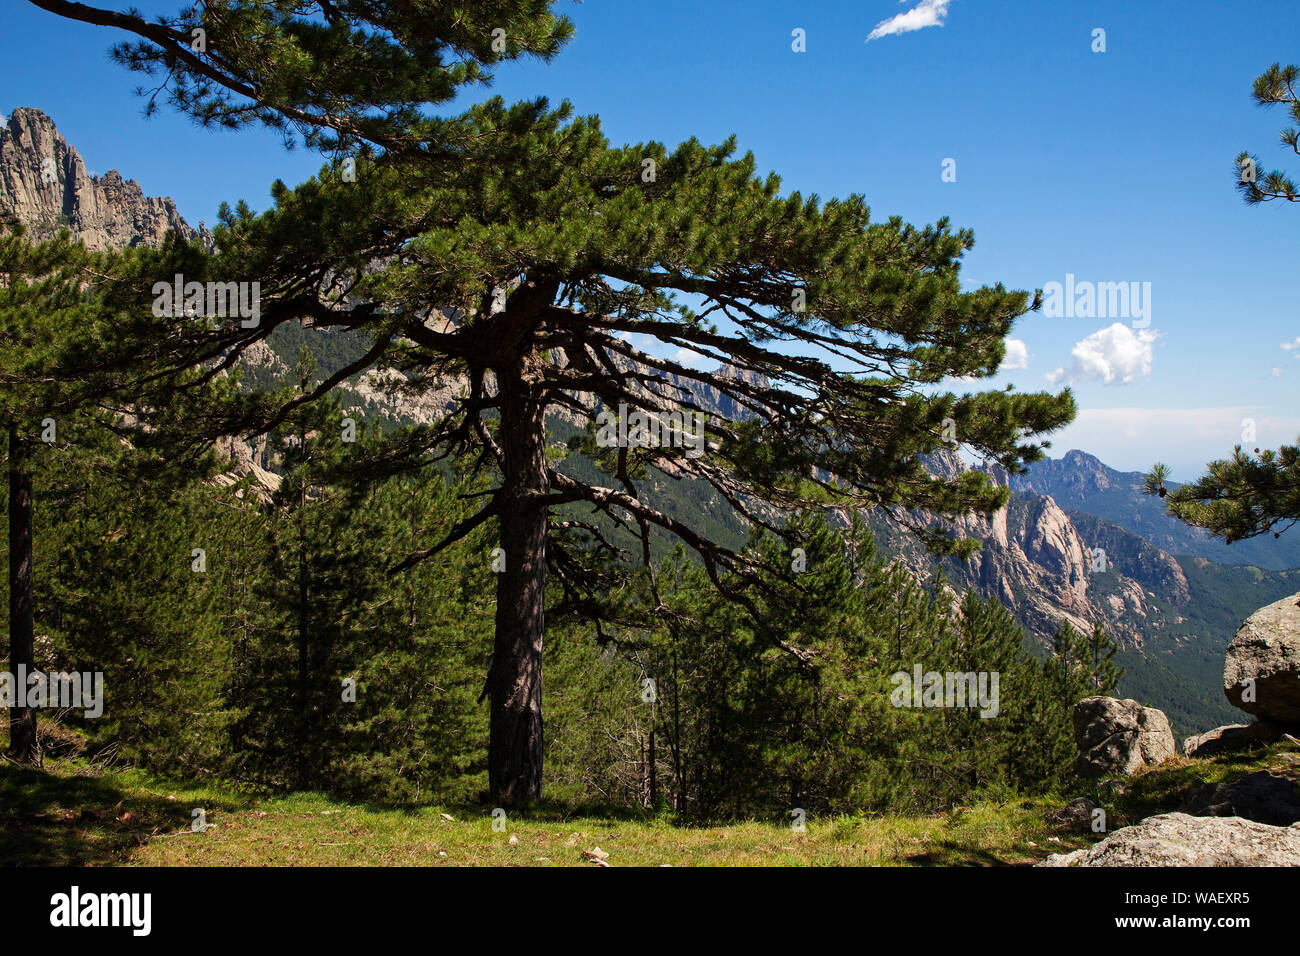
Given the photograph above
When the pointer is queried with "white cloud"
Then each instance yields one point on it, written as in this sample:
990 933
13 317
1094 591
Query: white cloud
1292 346
927 13
1277 372
653 346
1017 356
1114 355
687 357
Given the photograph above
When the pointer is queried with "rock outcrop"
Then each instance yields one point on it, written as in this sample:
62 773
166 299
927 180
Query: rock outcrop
1262 797
1119 736
1230 739
44 184
1177 839
1261 670
1049 566
1032 558
247 461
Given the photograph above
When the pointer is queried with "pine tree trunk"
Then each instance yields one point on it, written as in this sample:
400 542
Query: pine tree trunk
515 679
22 627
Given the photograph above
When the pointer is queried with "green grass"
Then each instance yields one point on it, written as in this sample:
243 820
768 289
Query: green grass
72 812
69 813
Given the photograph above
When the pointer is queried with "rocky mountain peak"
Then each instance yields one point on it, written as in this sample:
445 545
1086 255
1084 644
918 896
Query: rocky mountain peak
45 185
1049 564
1081 459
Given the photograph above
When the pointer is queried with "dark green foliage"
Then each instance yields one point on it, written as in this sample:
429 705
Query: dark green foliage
315 587
1240 497
202 669
116 594
355 678
75 339
742 728
418 729
333 73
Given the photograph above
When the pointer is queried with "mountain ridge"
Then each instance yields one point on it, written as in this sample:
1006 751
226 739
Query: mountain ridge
1080 481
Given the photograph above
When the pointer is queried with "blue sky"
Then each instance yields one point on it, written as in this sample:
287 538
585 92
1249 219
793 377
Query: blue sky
1111 167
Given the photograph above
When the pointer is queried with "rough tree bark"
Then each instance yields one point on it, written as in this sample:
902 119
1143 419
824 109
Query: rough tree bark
515 679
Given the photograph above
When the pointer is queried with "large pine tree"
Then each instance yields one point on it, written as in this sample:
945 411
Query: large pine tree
534 282
41 294
516 250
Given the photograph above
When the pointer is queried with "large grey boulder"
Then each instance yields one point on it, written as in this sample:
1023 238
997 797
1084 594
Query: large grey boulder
1261 797
1230 739
1119 736
1176 839
1263 662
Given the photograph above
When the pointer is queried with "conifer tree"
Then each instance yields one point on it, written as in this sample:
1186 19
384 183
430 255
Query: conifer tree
332 74
40 289
77 349
119 592
313 591
1100 650
517 250
548 269
417 728
1080 665
47 310
744 730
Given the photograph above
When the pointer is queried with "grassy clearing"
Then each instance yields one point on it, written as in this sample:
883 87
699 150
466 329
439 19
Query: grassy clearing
309 830
72 813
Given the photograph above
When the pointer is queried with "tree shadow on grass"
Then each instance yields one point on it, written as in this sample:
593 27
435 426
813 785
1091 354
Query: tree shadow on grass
52 820
952 853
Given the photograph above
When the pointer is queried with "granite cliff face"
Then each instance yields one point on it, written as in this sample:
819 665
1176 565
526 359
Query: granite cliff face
1171 615
44 184
1035 560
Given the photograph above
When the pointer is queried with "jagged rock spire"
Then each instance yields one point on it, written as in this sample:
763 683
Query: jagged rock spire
44 183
